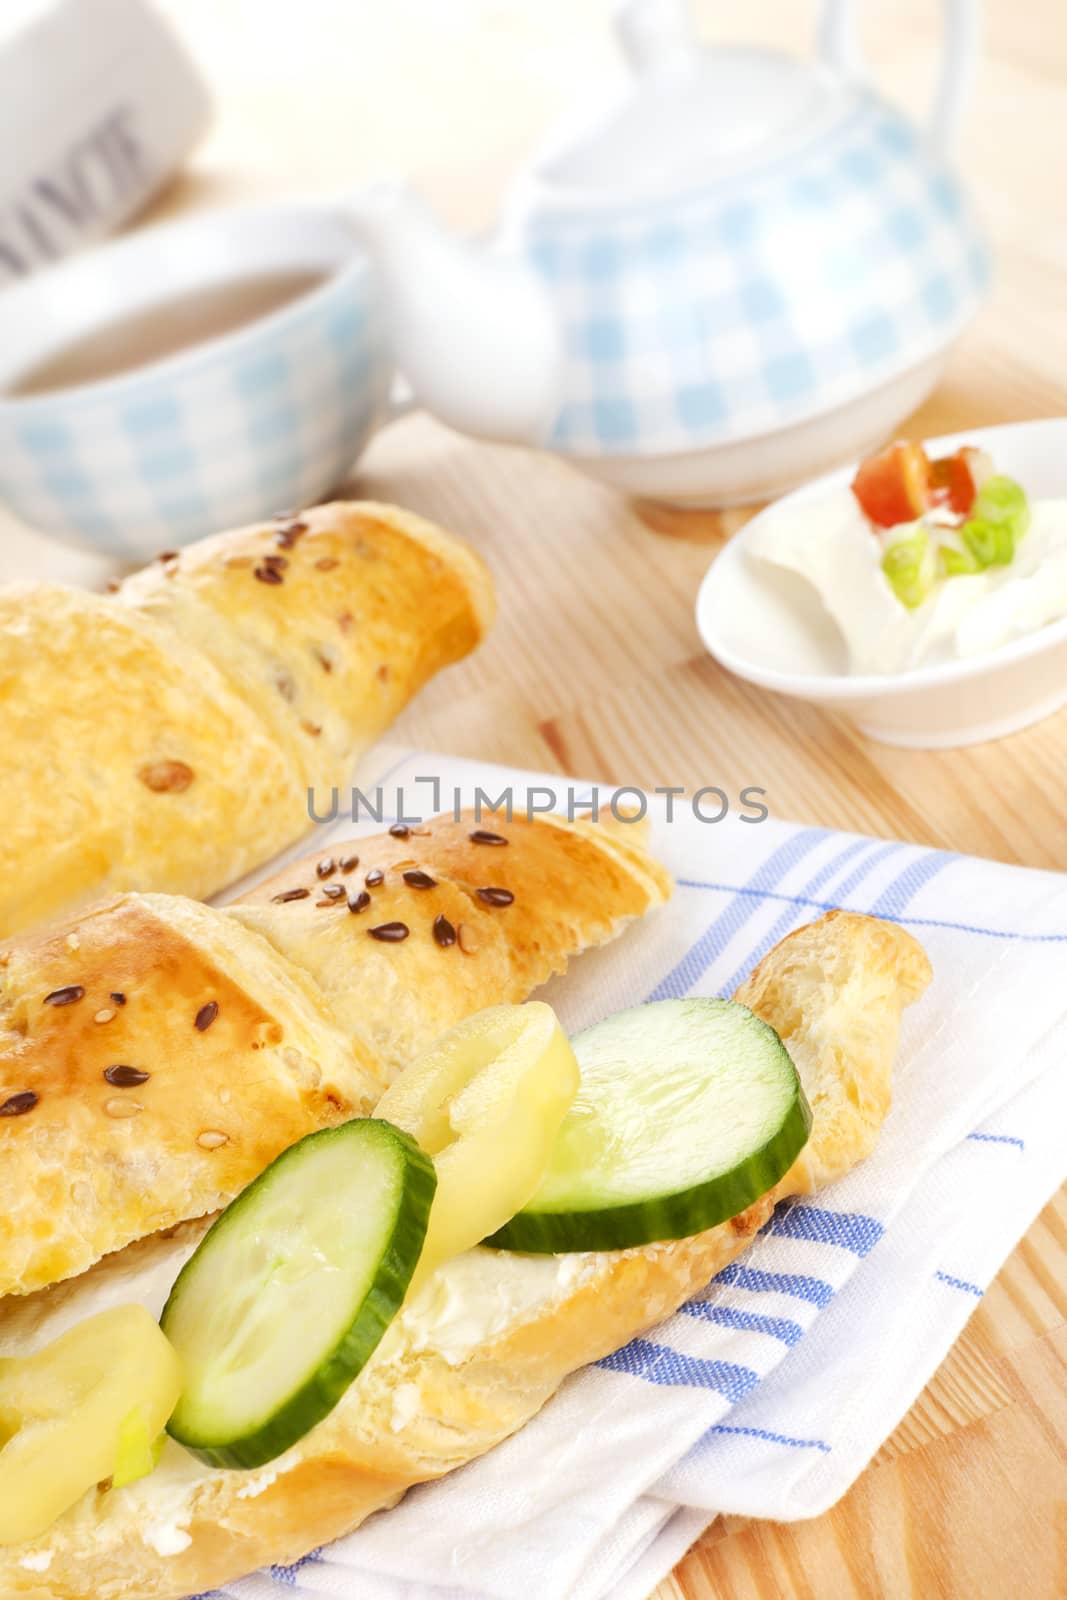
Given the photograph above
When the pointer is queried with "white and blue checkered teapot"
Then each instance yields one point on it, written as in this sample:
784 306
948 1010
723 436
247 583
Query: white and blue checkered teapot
743 269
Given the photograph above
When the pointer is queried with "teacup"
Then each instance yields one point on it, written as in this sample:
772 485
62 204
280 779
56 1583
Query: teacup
189 378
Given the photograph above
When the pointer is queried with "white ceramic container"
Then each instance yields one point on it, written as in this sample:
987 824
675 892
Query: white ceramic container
768 627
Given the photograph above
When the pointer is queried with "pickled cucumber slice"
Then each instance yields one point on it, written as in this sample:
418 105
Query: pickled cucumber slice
486 1102
67 1413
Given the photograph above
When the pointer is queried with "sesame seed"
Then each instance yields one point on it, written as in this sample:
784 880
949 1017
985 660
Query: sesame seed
166 777
123 1109
389 932
359 902
212 1140
375 877
105 1014
17 1105
400 830
286 538
326 867
206 1016
349 863
467 939
483 836
289 894
418 879
65 996
443 931
122 1077
118 997
495 897
267 574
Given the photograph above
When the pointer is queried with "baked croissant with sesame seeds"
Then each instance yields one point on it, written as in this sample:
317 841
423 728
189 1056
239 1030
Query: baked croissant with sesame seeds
157 1053
492 1334
165 737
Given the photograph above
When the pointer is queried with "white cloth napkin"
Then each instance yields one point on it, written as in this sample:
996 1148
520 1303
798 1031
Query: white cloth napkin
769 1393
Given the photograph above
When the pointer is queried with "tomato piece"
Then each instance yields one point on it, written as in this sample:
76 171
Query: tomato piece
956 479
893 486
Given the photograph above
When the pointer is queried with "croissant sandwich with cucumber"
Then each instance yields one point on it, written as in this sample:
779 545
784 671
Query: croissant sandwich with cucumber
166 736
301 1206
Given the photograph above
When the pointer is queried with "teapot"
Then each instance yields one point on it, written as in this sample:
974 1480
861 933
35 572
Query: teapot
743 269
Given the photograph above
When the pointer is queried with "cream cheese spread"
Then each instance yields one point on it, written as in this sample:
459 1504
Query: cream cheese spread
827 543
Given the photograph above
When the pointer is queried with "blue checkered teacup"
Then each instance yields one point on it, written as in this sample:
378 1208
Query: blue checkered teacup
189 378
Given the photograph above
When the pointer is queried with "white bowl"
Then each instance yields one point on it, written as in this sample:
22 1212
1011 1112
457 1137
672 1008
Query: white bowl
770 629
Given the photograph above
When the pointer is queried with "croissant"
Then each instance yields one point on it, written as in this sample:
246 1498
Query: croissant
156 1053
166 737
440 1388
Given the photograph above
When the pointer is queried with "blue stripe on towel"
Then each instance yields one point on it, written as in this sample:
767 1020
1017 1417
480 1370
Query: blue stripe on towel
1010 934
773 1438
701 955
849 1230
890 903
746 1321
998 1138
960 1283
288 1575
863 870
900 893
827 872
816 1291
658 1363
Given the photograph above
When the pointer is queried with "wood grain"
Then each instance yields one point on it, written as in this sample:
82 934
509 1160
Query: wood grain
595 666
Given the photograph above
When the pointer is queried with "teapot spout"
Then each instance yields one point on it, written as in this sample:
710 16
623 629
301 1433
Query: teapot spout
475 334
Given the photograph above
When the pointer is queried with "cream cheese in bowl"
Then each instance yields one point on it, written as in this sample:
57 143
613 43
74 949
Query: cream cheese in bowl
806 601
828 546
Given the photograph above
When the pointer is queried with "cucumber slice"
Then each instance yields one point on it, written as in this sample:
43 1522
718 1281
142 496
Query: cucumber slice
290 1291
688 1111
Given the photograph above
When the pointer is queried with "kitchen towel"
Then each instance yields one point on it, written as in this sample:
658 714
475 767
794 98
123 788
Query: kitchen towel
769 1392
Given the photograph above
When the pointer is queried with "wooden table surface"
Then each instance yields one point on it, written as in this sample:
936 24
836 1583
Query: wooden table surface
595 666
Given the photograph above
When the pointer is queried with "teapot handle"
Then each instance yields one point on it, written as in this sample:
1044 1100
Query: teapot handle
840 49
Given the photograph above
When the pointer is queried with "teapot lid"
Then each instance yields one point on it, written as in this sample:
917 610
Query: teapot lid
691 112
